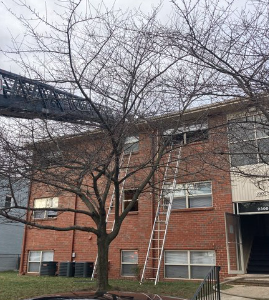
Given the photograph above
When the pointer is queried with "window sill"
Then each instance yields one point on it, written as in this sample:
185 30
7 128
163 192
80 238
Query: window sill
44 219
192 209
133 153
132 213
183 279
32 273
177 145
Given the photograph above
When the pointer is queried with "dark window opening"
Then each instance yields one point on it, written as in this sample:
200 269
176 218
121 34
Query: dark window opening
8 201
178 139
186 135
196 136
128 196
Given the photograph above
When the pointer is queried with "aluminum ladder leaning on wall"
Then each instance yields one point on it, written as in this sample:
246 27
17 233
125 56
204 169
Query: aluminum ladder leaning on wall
161 221
110 217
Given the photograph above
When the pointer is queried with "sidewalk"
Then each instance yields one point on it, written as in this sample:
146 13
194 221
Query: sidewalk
247 287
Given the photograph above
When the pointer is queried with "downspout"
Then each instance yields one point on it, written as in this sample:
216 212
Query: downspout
25 232
73 232
153 196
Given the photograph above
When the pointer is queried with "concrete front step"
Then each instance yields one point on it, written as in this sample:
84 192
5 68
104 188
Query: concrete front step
251 282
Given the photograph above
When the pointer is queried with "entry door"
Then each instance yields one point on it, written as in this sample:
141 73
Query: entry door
234 244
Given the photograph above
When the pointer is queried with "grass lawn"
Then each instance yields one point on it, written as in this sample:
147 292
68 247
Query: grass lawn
15 287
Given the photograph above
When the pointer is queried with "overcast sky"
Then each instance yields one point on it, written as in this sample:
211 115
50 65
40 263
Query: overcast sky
11 27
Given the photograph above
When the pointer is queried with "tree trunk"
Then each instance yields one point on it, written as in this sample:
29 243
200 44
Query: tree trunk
102 269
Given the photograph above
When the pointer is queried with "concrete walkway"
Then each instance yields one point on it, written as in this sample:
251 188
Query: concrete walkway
247 287
240 292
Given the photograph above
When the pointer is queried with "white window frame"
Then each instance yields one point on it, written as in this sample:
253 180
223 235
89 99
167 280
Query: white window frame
40 261
184 186
128 263
131 144
51 202
188 263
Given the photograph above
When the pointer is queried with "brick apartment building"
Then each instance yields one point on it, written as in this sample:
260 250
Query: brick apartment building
218 216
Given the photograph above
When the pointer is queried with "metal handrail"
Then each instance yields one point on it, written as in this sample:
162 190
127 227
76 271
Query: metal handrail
209 289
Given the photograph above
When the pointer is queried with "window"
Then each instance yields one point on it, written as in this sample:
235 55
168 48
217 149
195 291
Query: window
131 144
36 257
190 195
45 203
188 134
129 262
249 140
188 264
47 158
8 201
127 198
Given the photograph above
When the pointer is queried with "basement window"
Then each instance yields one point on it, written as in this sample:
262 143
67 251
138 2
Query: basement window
127 198
188 264
45 203
131 144
129 263
36 257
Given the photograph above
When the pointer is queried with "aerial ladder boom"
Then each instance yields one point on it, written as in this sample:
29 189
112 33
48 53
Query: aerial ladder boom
22 97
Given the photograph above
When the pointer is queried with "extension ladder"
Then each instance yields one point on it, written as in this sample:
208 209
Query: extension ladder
110 217
158 235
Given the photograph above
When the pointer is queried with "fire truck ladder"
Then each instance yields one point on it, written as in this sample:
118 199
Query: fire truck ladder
110 217
22 97
159 230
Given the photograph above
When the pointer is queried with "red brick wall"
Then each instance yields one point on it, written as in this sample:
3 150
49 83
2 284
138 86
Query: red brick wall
189 229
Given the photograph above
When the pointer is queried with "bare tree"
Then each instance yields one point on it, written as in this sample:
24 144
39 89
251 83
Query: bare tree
232 43
120 64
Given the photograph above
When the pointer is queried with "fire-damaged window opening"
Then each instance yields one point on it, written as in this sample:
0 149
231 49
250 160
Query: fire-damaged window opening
45 203
127 198
187 134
